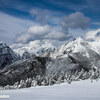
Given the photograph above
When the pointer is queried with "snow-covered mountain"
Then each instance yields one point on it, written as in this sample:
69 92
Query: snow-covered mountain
7 56
75 55
78 59
75 46
43 49
95 45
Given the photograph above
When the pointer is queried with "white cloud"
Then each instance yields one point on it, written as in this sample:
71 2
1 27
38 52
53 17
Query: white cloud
30 44
93 35
34 33
39 30
35 43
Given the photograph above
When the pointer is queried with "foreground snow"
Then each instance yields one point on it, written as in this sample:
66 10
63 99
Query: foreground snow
83 90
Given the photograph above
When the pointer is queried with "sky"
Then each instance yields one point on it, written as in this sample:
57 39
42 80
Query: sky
23 21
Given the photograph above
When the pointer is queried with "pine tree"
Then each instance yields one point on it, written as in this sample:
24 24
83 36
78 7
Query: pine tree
7 87
28 82
34 83
22 84
16 85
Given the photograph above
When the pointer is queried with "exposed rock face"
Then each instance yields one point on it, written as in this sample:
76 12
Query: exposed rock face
27 55
22 70
61 65
7 56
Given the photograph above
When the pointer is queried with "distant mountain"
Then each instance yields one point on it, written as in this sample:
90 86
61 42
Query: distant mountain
7 56
43 49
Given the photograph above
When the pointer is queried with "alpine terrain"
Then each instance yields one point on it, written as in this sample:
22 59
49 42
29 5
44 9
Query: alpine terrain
48 65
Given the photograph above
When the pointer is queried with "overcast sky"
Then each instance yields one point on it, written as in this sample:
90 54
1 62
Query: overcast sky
22 21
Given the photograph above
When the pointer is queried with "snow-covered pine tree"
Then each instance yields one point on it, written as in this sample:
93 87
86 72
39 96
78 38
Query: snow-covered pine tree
34 83
16 85
28 82
22 84
7 87
39 80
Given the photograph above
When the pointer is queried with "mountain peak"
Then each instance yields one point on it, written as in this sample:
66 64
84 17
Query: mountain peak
7 56
2 44
43 46
79 40
77 45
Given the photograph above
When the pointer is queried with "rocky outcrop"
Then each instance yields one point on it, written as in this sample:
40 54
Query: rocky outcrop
27 55
22 70
7 56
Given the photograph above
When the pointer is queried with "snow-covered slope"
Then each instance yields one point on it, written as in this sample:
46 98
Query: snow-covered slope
77 45
81 90
7 56
95 45
46 48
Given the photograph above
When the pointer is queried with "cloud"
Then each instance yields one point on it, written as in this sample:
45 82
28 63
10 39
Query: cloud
23 31
56 35
41 32
93 35
10 26
34 33
75 20
44 16
59 33
41 16
31 44
96 23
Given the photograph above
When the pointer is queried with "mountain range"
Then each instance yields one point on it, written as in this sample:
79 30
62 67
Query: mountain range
75 60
